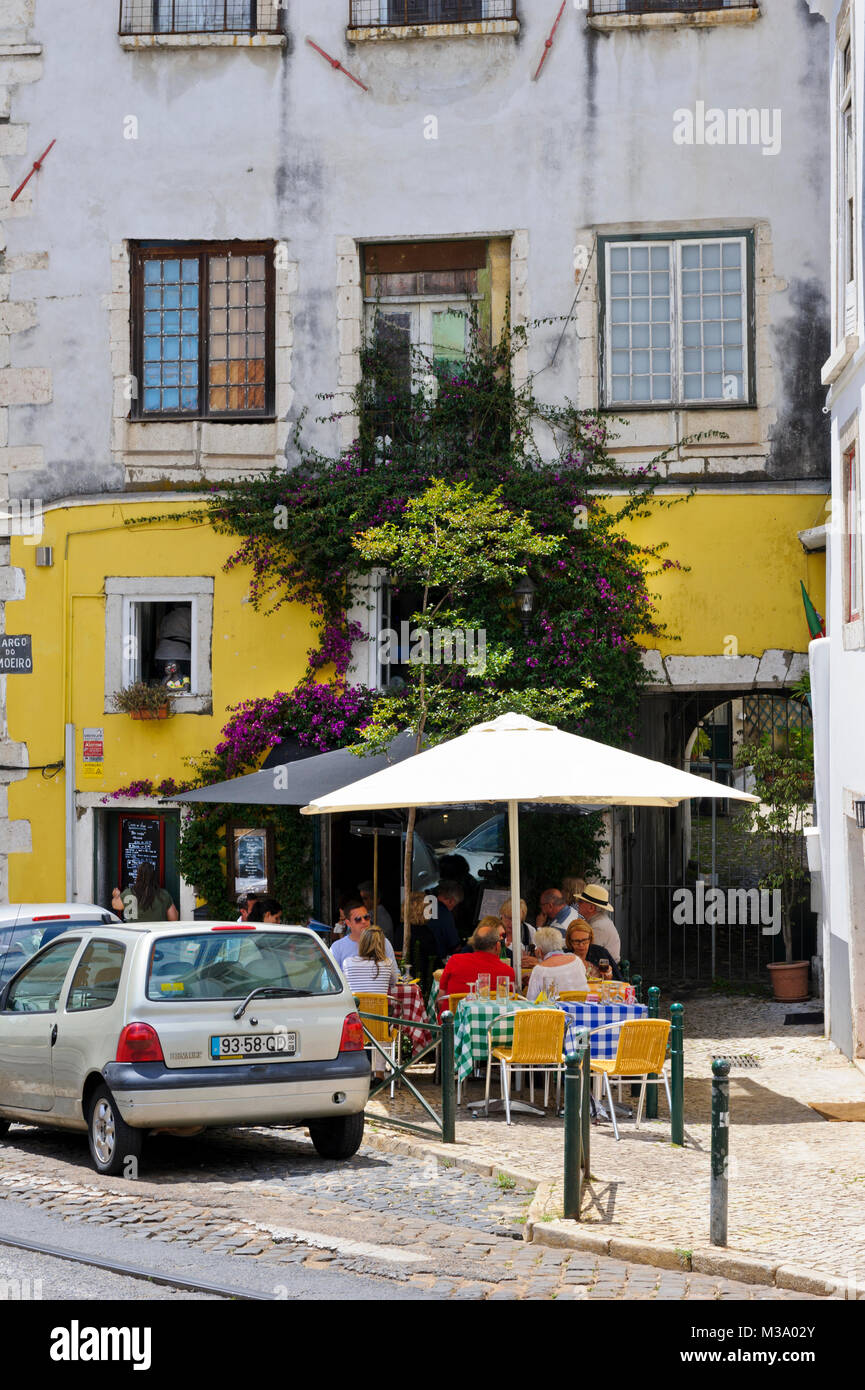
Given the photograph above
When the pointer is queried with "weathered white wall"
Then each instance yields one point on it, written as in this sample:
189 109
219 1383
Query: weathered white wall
260 142
838 665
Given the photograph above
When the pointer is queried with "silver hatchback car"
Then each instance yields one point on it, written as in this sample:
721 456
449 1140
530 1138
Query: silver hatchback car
121 1029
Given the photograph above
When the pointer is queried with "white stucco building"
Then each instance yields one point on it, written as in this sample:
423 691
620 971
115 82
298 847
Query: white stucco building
838 660
648 180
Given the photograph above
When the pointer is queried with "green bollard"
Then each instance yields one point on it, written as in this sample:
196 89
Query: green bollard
448 1081
625 967
652 1089
677 1074
720 1152
637 982
585 1102
573 1175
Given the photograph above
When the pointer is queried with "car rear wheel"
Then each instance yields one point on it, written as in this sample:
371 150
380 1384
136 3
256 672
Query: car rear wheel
115 1147
337 1138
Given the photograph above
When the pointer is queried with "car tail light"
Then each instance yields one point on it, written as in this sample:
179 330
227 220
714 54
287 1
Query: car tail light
55 917
237 926
352 1039
139 1043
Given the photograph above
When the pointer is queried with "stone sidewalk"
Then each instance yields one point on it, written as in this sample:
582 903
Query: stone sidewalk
797 1181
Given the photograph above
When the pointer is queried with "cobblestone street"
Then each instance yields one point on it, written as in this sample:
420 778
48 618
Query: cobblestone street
265 1196
781 1150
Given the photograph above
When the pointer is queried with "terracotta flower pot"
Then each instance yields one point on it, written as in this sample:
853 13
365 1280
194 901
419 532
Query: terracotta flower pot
161 713
790 980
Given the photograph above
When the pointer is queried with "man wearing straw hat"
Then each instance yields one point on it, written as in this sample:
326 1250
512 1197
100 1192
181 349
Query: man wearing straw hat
594 906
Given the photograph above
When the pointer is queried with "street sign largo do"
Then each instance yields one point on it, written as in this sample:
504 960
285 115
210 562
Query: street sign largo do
16 655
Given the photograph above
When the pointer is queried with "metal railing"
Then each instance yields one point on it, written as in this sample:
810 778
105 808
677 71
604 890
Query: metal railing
200 17
371 14
445 1123
667 6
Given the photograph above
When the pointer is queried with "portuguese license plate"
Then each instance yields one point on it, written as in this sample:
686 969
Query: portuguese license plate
252 1045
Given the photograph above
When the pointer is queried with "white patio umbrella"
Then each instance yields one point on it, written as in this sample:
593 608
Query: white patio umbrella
513 759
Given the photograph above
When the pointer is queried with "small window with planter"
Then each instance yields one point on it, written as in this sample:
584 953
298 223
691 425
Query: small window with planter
143 701
158 637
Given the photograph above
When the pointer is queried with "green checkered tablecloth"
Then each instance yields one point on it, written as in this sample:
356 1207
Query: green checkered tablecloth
473 1022
431 1003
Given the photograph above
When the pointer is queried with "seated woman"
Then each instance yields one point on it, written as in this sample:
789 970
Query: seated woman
560 968
527 933
597 959
371 971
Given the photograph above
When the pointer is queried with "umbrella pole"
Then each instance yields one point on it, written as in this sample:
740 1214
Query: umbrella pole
516 920
374 913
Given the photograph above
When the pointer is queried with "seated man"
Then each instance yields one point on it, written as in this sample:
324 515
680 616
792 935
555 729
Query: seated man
357 921
484 960
555 912
595 907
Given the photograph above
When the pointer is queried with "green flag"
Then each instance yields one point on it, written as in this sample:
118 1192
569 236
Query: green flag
816 625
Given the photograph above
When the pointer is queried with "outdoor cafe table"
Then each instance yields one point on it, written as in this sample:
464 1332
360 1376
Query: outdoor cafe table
406 1002
603 1045
475 1018
473 1021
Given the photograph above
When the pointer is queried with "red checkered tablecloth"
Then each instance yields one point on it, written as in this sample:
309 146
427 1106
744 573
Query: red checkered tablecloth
406 1001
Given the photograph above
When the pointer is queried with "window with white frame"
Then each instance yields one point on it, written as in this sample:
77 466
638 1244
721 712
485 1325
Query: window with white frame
676 321
157 643
159 630
852 536
846 308
383 611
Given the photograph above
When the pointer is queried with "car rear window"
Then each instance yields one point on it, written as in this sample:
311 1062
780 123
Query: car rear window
228 965
17 945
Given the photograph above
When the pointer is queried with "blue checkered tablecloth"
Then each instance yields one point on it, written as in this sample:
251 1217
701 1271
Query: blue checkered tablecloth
591 1016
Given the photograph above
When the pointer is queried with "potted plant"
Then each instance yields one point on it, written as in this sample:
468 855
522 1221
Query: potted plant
784 781
143 701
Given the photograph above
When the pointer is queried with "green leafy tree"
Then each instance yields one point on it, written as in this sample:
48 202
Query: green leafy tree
452 542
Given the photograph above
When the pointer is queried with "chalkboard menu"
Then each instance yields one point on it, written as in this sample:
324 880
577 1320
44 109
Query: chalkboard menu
142 841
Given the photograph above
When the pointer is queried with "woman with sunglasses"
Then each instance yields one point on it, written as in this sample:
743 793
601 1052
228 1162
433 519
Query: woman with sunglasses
597 959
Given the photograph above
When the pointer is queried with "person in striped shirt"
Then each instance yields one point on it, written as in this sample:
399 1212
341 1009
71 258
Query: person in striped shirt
372 970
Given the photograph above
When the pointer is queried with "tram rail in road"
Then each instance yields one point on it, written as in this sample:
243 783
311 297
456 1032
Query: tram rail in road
173 1281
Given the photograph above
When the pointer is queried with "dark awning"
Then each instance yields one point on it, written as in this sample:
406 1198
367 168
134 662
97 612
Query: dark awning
296 780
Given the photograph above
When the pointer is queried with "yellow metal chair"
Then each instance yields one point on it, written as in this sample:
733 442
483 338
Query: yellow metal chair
537 1044
640 1056
383 1034
573 996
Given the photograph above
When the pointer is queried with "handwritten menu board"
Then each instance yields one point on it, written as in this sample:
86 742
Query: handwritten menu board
142 841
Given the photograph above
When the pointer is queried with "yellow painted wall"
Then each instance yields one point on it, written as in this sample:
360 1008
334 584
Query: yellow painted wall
745 558
252 655
745 563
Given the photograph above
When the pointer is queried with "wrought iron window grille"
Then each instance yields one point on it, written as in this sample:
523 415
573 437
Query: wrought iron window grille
396 14
638 7
201 17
